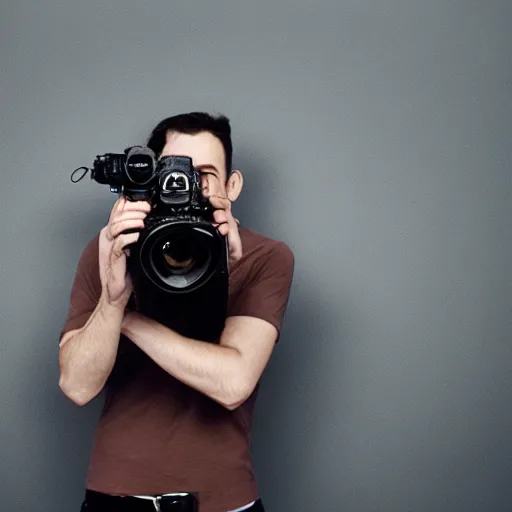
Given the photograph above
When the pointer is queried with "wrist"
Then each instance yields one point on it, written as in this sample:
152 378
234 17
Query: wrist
127 321
110 309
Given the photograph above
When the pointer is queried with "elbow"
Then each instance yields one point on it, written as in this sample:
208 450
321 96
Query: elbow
78 397
231 406
238 396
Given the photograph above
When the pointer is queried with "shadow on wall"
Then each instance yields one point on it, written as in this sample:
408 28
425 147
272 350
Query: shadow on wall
290 406
259 199
297 386
287 393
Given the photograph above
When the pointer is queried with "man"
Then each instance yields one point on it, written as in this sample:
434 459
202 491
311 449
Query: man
179 420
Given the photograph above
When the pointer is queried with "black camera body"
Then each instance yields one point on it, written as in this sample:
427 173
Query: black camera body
179 264
138 175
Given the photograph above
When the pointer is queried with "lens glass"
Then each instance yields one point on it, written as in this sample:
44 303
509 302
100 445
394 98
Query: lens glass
180 257
181 253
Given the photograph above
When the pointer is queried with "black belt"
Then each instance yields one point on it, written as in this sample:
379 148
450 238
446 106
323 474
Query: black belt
99 502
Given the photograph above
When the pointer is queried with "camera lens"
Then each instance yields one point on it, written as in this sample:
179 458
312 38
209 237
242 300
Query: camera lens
180 254
180 257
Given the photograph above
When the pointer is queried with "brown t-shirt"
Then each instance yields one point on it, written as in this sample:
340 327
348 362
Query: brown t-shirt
156 435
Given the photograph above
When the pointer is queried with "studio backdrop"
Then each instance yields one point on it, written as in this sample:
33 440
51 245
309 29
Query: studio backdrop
375 140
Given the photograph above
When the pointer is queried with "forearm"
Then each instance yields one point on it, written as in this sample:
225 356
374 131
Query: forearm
87 357
214 370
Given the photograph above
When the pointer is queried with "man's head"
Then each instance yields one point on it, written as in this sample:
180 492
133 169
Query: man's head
205 139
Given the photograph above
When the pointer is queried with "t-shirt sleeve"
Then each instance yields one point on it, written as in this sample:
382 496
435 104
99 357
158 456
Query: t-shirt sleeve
266 294
86 289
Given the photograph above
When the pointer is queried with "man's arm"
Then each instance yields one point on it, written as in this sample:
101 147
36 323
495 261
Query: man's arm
227 373
100 293
87 355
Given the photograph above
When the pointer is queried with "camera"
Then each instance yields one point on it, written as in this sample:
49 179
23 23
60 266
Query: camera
179 252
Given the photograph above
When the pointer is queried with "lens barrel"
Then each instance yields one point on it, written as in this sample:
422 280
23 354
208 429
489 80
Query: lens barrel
180 256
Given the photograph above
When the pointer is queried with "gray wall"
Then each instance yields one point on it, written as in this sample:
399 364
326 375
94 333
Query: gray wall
375 140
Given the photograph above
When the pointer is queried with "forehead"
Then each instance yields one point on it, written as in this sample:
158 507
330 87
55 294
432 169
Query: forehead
204 148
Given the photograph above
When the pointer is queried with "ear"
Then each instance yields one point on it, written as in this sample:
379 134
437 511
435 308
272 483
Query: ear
234 185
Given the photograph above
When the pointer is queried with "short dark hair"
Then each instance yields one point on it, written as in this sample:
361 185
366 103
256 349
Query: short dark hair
193 123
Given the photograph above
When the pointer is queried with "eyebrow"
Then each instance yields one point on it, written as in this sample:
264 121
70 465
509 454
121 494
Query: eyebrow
207 166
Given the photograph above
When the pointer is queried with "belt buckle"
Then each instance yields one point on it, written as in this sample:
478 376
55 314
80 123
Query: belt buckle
156 503
177 502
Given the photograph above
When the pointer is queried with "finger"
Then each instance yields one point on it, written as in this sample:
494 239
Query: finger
230 219
118 227
121 242
234 245
118 207
142 206
105 231
223 229
220 216
123 205
122 216
220 202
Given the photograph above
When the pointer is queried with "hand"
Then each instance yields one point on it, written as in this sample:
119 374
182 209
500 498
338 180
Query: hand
227 225
115 283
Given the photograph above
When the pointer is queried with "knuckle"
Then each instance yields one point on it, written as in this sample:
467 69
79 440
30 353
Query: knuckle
117 247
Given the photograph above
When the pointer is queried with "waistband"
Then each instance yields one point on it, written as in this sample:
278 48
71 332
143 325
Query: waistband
175 502
172 502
